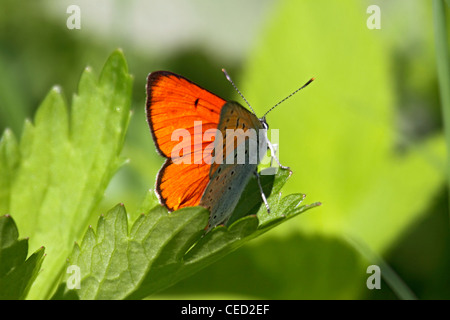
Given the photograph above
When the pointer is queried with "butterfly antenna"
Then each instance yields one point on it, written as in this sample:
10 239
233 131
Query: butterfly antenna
310 80
231 81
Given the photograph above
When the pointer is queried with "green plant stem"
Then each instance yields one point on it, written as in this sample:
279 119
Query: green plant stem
397 285
443 70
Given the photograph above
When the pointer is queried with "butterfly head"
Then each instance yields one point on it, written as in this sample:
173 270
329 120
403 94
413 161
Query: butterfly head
264 123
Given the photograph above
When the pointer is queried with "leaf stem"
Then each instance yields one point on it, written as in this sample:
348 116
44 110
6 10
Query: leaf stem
443 70
397 285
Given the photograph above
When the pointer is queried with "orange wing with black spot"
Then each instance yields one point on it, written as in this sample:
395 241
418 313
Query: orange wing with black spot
174 102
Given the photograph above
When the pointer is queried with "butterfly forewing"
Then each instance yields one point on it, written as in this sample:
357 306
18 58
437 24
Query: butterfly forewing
173 103
177 106
237 127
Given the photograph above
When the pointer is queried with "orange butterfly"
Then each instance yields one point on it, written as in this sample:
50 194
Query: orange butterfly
197 171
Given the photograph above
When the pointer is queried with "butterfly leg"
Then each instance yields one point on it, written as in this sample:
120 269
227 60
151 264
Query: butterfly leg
274 156
263 196
275 147
273 151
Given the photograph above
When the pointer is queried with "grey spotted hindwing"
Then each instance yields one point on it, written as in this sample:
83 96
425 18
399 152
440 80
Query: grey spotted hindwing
235 161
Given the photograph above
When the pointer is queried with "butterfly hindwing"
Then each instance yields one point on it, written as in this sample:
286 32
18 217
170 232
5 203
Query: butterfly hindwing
181 185
228 175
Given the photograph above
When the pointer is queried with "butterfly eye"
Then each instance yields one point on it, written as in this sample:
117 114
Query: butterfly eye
264 123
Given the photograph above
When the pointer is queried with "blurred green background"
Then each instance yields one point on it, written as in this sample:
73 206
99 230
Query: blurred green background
365 138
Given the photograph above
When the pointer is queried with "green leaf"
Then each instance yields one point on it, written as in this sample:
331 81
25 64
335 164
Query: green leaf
250 200
114 263
297 266
54 179
17 273
161 248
